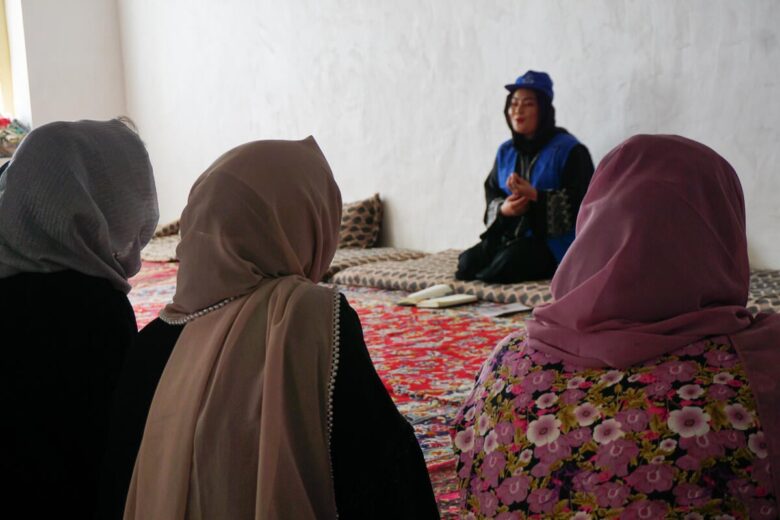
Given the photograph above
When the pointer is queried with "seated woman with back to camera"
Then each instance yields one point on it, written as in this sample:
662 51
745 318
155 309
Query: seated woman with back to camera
77 204
646 389
253 396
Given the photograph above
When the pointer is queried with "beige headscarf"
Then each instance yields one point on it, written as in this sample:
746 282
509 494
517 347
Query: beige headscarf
77 195
239 425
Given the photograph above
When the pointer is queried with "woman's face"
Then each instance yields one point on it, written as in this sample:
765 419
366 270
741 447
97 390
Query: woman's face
523 112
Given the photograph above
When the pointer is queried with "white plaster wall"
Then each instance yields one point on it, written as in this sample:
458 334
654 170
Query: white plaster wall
18 53
405 97
73 60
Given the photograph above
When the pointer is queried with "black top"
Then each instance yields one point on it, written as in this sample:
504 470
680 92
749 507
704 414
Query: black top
379 470
65 335
555 211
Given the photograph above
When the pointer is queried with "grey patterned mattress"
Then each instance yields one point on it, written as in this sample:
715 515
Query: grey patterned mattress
413 275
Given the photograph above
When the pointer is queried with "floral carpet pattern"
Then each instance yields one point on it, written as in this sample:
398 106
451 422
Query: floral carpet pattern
427 359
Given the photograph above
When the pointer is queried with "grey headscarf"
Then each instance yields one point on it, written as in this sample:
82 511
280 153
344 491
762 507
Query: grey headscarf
77 196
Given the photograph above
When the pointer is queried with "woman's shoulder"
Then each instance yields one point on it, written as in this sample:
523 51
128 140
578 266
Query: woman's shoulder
65 300
309 298
58 280
158 327
313 302
505 146
346 311
66 290
563 137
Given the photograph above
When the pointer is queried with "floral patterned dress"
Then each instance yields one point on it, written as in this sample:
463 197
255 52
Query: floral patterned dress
677 437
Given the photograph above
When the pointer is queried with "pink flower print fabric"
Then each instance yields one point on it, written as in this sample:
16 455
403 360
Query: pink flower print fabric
678 437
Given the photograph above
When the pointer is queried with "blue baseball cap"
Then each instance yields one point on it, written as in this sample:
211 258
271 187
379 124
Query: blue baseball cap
539 81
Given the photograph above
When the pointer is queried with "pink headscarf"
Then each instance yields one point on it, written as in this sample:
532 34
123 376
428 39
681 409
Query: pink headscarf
660 259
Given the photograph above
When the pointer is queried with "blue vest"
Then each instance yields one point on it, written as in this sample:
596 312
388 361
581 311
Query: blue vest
545 175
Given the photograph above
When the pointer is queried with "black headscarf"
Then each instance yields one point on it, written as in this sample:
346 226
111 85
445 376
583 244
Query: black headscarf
545 131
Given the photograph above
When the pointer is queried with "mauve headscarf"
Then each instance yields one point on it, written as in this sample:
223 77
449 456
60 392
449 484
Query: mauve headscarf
77 196
660 261
239 425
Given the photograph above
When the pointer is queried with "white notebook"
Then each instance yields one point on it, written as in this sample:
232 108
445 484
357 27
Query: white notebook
433 291
437 297
447 301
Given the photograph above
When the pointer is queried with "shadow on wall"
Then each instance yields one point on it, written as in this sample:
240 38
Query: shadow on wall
385 230
755 257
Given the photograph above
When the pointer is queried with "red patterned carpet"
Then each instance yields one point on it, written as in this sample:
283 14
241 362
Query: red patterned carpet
426 358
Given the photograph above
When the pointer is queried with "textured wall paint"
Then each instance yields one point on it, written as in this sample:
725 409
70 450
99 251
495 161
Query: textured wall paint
405 97
74 60
18 52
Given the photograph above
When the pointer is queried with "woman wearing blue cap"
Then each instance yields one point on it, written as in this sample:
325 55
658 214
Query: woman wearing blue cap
533 192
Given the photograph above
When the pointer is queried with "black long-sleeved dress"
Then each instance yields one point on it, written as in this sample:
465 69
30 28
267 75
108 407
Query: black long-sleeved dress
64 338
506 253
555 211
379 470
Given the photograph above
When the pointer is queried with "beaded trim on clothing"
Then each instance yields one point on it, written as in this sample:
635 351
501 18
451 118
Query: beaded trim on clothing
196 314
334 367
559 213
